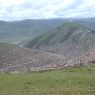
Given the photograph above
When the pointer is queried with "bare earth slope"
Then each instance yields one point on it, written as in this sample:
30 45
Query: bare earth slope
24 60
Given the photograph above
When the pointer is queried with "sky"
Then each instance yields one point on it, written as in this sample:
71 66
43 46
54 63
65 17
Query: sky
43 9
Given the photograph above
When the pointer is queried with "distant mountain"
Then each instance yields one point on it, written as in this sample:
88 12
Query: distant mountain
68 39
25 30
87 22
18 31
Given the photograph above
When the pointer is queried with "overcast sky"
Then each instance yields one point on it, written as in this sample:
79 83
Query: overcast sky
43 9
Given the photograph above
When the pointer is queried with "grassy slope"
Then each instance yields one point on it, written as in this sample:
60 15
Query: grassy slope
7 45
25 29
70 31
70 81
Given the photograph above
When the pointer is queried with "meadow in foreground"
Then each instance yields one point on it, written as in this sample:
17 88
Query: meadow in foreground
69 81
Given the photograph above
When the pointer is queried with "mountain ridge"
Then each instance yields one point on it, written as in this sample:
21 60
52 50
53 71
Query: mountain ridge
23 30
68 39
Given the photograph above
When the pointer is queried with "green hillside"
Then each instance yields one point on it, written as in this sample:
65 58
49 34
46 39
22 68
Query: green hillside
7 45
70 81
18 31
69 32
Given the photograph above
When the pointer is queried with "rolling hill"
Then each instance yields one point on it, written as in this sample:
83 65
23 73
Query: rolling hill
25 30
21 60
68 44
18 59
15 59
68 39
18 31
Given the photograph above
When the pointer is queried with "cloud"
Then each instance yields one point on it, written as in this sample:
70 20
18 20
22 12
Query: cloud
43 9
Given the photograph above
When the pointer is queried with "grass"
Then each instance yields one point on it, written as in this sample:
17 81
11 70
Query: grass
7 45
69 81
71 32
15 39
42 39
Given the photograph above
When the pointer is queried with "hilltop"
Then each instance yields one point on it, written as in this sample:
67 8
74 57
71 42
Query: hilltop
67 39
